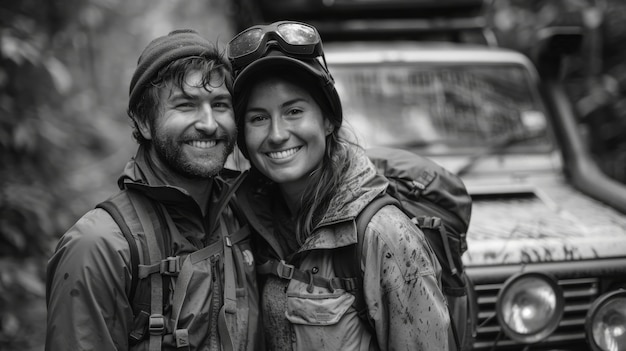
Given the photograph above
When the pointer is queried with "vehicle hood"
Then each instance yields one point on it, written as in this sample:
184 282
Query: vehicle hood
539 219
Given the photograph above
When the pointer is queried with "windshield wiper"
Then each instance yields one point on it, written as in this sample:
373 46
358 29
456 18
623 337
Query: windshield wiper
500 145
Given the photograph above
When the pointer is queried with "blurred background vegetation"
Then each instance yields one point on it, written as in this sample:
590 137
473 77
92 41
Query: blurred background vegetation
65 66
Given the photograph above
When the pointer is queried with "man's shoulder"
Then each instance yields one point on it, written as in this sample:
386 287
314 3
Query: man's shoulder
94 228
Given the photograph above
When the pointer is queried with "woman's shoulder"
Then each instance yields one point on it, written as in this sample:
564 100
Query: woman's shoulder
391 223
395 237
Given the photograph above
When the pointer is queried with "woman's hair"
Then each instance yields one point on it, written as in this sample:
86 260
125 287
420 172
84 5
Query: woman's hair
326 179
174 75
324 184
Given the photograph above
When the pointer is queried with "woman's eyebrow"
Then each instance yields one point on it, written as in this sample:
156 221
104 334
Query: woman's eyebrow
293 101
283 105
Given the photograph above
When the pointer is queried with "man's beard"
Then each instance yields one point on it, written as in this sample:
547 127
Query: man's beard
171 154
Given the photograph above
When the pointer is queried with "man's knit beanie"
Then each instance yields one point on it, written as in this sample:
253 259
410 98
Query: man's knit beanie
161 52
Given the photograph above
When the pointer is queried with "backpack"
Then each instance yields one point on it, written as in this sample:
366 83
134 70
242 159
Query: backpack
135 214
438 203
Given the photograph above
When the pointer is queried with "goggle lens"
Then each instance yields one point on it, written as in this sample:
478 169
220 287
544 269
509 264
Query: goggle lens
245 43
297 34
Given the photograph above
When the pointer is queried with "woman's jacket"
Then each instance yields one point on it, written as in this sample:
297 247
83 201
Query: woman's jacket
401 274
89 274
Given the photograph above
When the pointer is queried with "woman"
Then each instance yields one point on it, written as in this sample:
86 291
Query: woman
306 185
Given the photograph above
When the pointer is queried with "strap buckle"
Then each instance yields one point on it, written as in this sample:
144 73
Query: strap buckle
350 284
429 222
156 325
170 266
182 337
285 270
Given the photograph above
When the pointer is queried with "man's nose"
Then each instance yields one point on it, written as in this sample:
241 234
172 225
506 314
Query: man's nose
206 120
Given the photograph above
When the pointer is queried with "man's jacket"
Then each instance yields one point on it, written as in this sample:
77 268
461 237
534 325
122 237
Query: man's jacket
89 274
401 273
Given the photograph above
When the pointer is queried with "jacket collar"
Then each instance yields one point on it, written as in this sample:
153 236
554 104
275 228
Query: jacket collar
360 186
139 175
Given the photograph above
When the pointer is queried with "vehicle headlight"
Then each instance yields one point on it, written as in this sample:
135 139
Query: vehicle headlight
606 322
529 307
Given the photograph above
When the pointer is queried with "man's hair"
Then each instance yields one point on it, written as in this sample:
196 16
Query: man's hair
147 106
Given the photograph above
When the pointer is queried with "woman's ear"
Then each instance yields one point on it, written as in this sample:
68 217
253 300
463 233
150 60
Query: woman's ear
144 128
328 127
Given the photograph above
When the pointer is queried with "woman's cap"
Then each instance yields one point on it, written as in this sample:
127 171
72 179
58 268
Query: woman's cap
275 59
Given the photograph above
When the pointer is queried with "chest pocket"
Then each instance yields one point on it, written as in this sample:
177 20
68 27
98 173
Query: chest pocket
318 307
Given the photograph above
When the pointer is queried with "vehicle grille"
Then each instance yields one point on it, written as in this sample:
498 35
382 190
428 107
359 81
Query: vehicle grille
579 295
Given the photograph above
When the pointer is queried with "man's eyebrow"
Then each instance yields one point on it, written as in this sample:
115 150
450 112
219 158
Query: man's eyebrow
180 95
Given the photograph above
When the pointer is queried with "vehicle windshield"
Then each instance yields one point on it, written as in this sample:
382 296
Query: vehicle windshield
442 109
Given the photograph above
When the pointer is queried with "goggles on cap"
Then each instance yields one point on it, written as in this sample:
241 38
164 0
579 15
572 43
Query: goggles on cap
295 39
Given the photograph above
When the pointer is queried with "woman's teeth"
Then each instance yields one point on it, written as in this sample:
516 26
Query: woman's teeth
283 154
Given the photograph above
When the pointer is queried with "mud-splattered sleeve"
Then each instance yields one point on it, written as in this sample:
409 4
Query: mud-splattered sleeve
86 287
401 284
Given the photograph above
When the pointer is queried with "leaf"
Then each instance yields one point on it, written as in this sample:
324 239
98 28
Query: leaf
18 50
10 324
31 283
14 236
61 77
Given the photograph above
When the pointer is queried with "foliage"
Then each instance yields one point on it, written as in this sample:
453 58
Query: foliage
38 131
595 77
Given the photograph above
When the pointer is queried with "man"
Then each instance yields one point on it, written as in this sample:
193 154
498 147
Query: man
194 258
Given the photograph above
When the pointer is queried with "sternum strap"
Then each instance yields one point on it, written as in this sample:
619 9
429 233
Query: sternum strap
287 271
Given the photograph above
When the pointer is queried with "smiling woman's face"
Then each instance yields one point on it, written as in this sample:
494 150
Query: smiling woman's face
285 132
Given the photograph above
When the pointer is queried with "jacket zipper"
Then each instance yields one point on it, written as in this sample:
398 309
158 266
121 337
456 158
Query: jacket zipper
215 304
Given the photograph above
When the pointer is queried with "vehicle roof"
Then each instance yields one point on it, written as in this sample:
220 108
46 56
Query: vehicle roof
376 52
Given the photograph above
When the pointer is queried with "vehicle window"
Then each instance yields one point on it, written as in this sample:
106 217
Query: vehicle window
441 108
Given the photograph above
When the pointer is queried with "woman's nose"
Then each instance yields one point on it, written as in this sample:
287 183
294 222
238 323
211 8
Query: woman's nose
278 131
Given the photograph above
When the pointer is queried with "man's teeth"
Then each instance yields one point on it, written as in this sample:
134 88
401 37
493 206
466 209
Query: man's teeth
202 144
282 154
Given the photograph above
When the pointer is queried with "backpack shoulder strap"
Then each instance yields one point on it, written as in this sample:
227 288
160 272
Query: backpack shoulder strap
362 221
366 215
146 213
112 206
134 213
347 261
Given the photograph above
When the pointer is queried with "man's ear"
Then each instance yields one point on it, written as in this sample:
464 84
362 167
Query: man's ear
144 128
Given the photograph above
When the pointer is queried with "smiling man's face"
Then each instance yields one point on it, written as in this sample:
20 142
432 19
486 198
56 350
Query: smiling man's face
194 131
